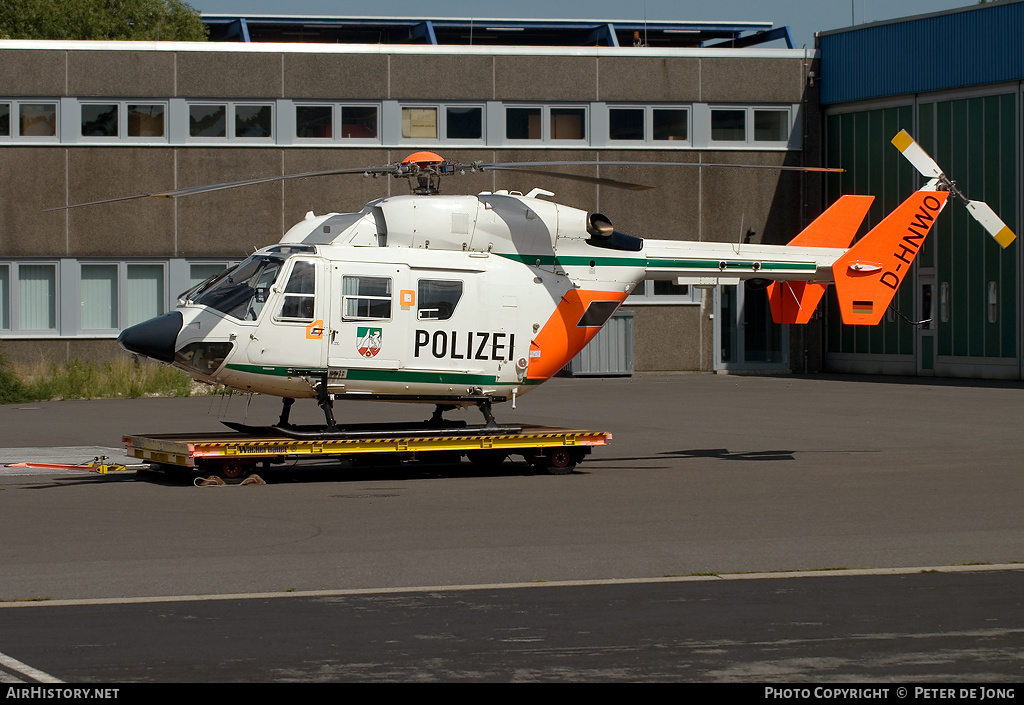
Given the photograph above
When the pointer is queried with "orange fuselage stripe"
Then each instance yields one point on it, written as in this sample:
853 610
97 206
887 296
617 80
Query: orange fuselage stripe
561 338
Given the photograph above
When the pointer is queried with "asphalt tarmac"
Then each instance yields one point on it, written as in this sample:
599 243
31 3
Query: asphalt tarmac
705 476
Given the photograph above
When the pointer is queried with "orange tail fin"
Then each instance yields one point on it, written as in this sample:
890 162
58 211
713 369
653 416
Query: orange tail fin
871 271
795 301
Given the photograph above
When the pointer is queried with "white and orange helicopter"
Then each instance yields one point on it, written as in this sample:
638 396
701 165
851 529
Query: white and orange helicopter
462 300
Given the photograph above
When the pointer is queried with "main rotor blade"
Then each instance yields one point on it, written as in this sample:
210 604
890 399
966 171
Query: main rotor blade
519 165
984 214
916 156
192 190
599 180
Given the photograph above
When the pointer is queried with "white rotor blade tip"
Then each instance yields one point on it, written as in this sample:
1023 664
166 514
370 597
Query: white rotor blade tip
984 214
915 155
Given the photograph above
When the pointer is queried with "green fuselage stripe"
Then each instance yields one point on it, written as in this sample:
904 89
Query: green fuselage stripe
575 261
366 375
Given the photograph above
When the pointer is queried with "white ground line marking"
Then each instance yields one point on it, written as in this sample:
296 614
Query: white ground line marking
980 568
26 670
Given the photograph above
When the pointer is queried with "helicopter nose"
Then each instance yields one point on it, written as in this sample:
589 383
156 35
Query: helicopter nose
154 338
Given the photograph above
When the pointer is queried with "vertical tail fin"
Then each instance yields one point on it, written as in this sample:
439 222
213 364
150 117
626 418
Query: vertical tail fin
871 271
795 301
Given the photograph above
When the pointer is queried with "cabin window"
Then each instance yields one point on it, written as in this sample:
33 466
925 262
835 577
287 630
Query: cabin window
436 299
366 298
299 293
242 291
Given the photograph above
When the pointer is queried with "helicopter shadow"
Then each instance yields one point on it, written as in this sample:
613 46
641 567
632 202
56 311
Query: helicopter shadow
713 453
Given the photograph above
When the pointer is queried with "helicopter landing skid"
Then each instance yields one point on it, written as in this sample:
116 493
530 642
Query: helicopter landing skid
437 424
379 431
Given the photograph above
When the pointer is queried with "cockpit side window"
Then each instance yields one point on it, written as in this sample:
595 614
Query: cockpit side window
436 299
242 292
299 294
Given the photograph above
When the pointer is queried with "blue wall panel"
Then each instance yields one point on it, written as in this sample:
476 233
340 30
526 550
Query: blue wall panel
979 45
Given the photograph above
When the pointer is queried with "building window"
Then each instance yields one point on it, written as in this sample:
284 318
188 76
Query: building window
146 120
665 292
355 122
751 126
254 121
5 119
231 120
145 293
5 297
200 272
547 123
37 297
122 119
37 119
771 125
522 123
99 297
464 123
314 121
99 120
207 120
638 124
419 123
568 123
358 122
626 124
671 124
728 125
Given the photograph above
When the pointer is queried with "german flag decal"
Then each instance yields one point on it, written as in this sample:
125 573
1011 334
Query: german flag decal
864 307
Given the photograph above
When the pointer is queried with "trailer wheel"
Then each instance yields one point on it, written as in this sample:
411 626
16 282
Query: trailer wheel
235 470
557 461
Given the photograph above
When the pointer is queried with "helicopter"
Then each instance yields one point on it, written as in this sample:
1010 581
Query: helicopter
472 300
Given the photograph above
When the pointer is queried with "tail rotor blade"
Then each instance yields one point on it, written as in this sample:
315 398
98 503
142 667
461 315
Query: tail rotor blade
916 156
984 214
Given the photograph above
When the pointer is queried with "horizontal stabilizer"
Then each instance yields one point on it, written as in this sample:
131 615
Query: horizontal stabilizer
837 226
796 301
871 271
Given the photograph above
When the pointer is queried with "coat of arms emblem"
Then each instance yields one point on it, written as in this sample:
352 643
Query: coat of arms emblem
368 341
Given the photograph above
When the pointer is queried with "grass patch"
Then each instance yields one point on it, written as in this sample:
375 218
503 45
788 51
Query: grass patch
125 378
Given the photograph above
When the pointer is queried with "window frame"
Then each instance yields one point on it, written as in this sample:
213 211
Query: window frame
230 121
12 314
546 124
285 294
644 295
750 140
390 298
14 133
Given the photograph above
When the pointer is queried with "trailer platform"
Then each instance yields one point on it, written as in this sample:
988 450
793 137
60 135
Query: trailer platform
235 455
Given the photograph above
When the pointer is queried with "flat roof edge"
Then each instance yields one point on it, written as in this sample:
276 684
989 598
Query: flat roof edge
304 48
